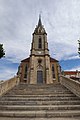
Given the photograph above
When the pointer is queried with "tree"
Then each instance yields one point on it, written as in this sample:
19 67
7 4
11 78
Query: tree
79 48
2 53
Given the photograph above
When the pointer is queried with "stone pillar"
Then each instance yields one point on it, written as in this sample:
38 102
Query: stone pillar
48 70
32 81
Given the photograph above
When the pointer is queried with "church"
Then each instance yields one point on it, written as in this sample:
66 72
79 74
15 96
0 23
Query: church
39 67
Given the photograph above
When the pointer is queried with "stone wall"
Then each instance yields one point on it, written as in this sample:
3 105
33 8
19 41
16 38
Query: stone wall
72 85
8 84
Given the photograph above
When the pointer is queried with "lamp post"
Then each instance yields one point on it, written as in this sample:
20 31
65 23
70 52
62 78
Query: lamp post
79 47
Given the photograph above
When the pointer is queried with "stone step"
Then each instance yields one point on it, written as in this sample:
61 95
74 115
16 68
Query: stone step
35 93
39 101
40 107
72 102
41 95
39 98
40 114
38 91
41 91
39 87
38 94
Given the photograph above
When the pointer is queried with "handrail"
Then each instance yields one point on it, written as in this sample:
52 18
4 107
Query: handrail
72 85
8 84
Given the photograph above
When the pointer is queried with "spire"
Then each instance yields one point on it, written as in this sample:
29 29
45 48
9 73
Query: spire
39 22
39 28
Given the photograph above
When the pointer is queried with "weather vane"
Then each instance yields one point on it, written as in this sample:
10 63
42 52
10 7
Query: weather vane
79 47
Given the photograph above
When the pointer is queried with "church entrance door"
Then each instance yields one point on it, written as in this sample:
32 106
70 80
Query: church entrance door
39 76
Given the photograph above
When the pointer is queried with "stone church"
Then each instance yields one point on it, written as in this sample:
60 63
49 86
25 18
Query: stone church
39 67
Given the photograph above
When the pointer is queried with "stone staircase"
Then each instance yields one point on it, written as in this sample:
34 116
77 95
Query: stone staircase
39 101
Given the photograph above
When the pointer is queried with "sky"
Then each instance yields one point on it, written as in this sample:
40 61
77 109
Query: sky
18 19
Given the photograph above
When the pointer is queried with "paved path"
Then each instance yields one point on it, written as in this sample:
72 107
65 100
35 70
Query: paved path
6 118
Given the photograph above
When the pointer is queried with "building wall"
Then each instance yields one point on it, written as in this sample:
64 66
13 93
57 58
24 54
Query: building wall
36 66
32 72
56 71
72 74
22 73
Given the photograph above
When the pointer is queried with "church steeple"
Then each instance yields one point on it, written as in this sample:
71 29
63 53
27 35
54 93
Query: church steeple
39 43
39 68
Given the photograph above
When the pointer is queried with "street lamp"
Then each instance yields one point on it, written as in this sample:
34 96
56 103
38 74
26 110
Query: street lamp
79 47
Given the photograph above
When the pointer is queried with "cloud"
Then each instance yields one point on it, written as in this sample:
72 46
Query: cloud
18 18
74 69
16 51
7 72
17 25
7 69
63 51
73 57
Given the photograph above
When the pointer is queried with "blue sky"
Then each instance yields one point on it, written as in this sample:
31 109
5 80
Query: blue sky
18 18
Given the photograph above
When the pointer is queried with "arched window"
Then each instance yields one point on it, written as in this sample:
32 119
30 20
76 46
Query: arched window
26 69
53 71
40 43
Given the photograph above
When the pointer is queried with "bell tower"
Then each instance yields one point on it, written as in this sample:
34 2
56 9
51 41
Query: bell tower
40 71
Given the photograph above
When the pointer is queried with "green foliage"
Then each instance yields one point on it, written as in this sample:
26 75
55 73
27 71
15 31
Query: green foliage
2 53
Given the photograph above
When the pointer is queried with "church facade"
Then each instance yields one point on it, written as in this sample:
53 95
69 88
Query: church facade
39 67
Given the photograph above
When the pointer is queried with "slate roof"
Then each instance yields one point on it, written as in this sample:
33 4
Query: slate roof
71 72
53 60
26 60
